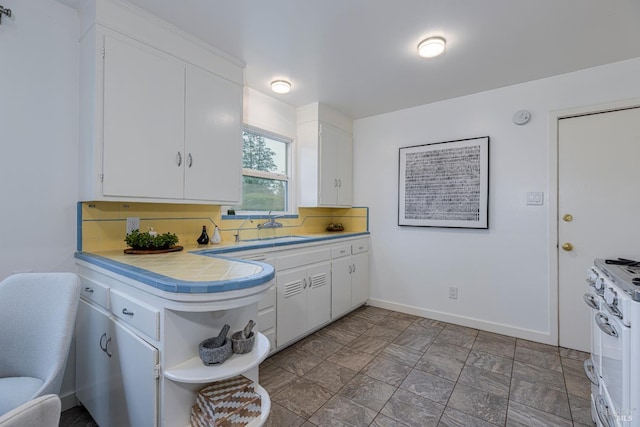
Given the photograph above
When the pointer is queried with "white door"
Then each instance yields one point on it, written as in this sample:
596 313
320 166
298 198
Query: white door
213 147
133 386
329 153
345 172
340 286
598 176
292 305
360 279
143 152
318 294
92 362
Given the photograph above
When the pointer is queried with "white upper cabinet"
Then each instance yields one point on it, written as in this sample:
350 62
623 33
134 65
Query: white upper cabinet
213 140
160 112
325 157
143 148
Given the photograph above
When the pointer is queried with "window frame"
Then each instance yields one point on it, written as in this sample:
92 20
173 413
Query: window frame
289 207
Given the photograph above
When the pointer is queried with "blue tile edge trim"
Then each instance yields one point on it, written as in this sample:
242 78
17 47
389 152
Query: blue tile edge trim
169 284
79 226
266 244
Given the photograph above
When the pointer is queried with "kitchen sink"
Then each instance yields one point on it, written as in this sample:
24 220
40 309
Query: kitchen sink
283 239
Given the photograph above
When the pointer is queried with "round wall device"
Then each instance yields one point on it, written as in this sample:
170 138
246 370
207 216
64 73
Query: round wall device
521 117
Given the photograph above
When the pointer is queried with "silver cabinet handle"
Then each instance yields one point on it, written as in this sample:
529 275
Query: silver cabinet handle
590 372
88 290
305 283
127 312
603 323
179 158
106 348
590 301
350 271
339 183
189 160
354 268
103 347
335 182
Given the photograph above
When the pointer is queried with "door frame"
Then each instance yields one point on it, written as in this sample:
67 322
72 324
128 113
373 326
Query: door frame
554 253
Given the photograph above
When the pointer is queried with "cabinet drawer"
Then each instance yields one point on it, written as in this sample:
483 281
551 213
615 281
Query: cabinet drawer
137 314
94 292
340 251
359 246
304 258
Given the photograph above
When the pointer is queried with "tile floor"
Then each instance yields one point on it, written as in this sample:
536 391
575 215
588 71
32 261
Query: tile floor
377 367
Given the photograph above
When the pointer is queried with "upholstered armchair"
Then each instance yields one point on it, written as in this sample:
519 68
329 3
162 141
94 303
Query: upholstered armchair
37 319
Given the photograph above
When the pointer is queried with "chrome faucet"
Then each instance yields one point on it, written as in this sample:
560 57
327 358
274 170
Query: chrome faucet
272 223
237 235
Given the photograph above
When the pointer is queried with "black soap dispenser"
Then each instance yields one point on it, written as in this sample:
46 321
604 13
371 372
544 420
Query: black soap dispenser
204 237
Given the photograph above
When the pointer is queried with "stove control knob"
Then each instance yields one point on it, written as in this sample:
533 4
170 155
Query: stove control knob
591 276
610 296
599 284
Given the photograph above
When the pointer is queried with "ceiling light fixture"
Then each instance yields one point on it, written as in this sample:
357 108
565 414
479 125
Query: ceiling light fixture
280 86
431 47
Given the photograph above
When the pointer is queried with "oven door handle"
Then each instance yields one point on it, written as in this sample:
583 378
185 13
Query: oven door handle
590 372
603 323
602 410
590 300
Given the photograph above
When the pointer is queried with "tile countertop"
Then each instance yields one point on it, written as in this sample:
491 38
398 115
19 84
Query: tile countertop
201 270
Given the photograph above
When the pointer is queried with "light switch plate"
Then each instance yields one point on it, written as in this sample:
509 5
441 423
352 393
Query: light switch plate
535 198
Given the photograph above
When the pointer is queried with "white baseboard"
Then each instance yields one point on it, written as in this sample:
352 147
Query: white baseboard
470 322
69 401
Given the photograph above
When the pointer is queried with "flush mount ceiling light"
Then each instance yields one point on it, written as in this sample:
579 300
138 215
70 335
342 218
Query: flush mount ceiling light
431 47
280 86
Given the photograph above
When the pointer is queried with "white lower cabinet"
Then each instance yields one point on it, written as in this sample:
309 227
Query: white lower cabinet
349 277
137 361
304 293
116 376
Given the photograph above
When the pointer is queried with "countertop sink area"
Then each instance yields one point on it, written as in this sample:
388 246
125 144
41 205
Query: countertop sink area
268 242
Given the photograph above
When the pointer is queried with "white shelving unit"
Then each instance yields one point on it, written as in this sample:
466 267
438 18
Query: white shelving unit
193 371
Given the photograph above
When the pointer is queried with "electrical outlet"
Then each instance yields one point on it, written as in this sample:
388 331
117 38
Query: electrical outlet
133 223
453 292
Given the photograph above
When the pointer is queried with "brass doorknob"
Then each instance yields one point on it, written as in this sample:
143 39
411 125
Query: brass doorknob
567 218
567 246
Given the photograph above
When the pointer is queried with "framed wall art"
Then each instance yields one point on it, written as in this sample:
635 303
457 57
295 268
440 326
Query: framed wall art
445 184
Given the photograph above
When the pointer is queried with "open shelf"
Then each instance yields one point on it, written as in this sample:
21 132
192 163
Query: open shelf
265 409
193 371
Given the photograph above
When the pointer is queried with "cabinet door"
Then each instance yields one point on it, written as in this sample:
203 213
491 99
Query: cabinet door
340 286
360 279
133 386
318 294
345 168
292 304
92 363
328 168
212 136
143 122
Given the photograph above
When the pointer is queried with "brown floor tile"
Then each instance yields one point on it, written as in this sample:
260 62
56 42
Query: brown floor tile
340 410
330 375
303 397
368 391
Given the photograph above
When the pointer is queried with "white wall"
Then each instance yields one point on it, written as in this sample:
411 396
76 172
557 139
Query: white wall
38 130
267 113
503 273
39 140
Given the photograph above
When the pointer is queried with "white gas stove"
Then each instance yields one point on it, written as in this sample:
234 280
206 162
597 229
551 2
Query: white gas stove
615 301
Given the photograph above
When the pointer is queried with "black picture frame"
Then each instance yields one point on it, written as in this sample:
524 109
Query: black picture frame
445 184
